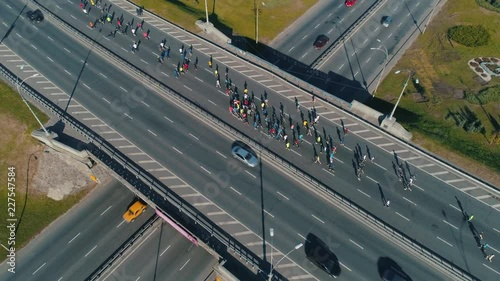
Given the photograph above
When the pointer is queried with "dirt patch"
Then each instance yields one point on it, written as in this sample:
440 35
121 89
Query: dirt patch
59 175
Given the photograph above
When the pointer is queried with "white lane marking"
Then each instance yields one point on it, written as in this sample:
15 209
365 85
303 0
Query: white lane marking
220 154
450 224
141 59
239 193
455 180
105 210
90 251
382 167
106 100
444 241
409 201
250 174
456 208
304 37
144 103
356 244
168 119
123 89
295 152
317 26
50 59
366 62
356 73
33 47
69 73
271 215
120 224
368 177
163 252
74 238
439 173
317 218
330 31
345 266
198 79
184 264
188 88
100 73
402 216
491 269
364 193
496 230
425 165
282 195
212 102
203 168
194 136
86 86
289 50
469 188
39 268
302 236
180 152
341 66
390 35
152 133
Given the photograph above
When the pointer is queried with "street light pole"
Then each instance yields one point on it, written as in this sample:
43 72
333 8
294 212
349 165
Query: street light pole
271 233
18 85
206 10
385 63
402 91
298 246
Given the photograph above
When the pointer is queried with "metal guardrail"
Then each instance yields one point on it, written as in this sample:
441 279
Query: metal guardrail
118 158
138 176
361 20
119 252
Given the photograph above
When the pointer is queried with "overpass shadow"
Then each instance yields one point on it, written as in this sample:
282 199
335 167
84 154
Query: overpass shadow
330 82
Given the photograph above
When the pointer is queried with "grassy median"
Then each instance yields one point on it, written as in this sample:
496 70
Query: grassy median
441 68
34 211
236 17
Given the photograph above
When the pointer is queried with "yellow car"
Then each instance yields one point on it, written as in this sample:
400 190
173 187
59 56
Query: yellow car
134 211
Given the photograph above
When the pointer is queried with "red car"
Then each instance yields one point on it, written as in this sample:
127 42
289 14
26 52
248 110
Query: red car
321 41
349 3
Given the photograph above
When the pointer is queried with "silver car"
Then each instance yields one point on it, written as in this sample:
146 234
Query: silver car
244 156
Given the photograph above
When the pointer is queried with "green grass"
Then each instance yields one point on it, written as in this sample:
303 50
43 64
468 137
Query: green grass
37 210
441 66
232 16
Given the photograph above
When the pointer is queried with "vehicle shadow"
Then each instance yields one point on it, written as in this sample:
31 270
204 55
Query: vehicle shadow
320 255
389 270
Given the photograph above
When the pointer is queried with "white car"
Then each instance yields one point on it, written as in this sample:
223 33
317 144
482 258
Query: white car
244 156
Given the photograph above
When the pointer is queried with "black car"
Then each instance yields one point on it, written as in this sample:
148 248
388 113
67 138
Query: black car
321 41
35 16
321 256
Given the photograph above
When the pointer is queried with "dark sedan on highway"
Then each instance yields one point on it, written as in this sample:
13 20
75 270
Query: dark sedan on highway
321 41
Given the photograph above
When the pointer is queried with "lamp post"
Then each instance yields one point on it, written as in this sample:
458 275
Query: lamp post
271 233
402 91
385 63
257 10
18 85
298 246
206 10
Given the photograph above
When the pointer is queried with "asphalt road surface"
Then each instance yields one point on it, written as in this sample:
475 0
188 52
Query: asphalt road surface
162 254
431 210
356 61
78 242
330 18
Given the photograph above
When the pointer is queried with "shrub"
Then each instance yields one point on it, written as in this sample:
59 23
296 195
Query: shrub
491 94
492 5
469 35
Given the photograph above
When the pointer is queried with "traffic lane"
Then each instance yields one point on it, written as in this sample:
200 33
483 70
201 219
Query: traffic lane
50 262
357 51
163 254
396 216
351 241
339 17
47 245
